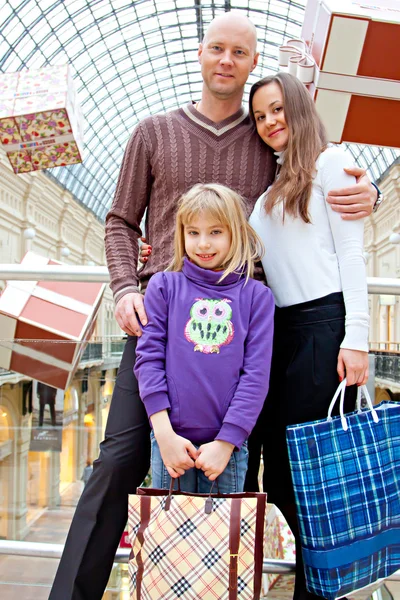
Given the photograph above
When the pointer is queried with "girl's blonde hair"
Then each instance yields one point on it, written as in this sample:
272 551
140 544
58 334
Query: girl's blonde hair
307 139
226 206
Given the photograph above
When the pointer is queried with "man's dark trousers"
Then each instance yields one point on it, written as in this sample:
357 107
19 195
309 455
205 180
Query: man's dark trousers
101 514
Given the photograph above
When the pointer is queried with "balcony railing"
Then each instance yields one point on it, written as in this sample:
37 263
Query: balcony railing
117 347
393 347
93 352
376 285
387 366
34 549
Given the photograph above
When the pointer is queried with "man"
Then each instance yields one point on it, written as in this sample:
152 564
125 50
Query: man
212 141
47 395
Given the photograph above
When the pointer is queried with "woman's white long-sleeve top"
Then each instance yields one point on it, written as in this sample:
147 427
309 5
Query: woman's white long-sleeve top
305 261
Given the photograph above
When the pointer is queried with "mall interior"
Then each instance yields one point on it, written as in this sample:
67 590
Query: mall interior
129 59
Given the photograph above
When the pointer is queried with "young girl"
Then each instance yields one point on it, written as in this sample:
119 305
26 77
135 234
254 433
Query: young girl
203 361
314 264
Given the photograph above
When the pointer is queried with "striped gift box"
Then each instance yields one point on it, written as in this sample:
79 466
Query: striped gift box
45 325
355 46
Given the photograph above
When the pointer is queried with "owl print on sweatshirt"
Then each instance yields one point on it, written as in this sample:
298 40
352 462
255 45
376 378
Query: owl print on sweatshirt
210 325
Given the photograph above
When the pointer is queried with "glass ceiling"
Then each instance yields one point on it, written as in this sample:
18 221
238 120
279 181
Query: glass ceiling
133 58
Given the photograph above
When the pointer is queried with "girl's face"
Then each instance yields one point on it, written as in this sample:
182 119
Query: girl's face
269 114
207 242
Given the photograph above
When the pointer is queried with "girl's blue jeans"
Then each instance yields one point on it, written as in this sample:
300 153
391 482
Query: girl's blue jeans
194 481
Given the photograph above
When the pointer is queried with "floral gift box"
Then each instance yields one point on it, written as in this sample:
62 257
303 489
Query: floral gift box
41 124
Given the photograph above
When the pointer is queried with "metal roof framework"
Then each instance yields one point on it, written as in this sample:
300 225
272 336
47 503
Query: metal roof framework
134 58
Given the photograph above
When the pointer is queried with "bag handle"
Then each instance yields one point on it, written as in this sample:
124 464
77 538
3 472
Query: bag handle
208 503
171 490
341 390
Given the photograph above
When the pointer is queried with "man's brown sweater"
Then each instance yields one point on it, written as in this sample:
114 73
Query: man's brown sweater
165 156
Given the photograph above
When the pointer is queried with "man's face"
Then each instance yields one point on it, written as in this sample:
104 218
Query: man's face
227 57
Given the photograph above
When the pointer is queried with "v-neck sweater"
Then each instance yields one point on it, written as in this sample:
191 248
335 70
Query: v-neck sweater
166 155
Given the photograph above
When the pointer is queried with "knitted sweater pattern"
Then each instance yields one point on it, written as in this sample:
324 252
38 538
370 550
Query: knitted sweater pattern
165 156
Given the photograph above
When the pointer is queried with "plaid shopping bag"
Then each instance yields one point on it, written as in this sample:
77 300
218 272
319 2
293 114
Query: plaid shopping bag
346 477
195 546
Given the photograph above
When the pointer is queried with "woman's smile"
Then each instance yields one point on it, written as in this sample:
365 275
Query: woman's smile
274 133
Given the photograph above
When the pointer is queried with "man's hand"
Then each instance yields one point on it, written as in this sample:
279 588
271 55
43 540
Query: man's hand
213 458
128 308
355 202
353 364
177 452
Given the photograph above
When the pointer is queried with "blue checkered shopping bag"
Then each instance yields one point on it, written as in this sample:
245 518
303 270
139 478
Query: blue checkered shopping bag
346 477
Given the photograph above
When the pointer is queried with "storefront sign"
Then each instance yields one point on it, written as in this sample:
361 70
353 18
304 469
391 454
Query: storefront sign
124 541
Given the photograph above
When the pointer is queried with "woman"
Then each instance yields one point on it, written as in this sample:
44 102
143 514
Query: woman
315 267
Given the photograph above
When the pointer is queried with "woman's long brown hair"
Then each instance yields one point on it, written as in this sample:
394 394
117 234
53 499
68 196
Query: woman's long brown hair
307 139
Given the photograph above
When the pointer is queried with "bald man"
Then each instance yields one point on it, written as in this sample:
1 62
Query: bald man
208 141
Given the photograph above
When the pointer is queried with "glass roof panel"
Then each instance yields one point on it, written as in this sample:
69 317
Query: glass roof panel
132 59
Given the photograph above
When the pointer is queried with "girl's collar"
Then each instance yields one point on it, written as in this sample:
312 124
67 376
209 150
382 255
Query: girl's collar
199 275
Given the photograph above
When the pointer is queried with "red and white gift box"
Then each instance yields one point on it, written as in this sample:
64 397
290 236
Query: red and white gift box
45 325
41 124
355 47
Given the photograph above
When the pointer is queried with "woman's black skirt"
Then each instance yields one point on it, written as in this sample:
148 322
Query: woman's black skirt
303 381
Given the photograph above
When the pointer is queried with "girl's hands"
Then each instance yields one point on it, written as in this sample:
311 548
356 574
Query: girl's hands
177 452
353 364
145 251
213 458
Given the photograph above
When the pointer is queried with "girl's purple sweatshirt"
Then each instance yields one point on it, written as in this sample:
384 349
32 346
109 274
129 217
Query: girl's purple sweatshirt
205 354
